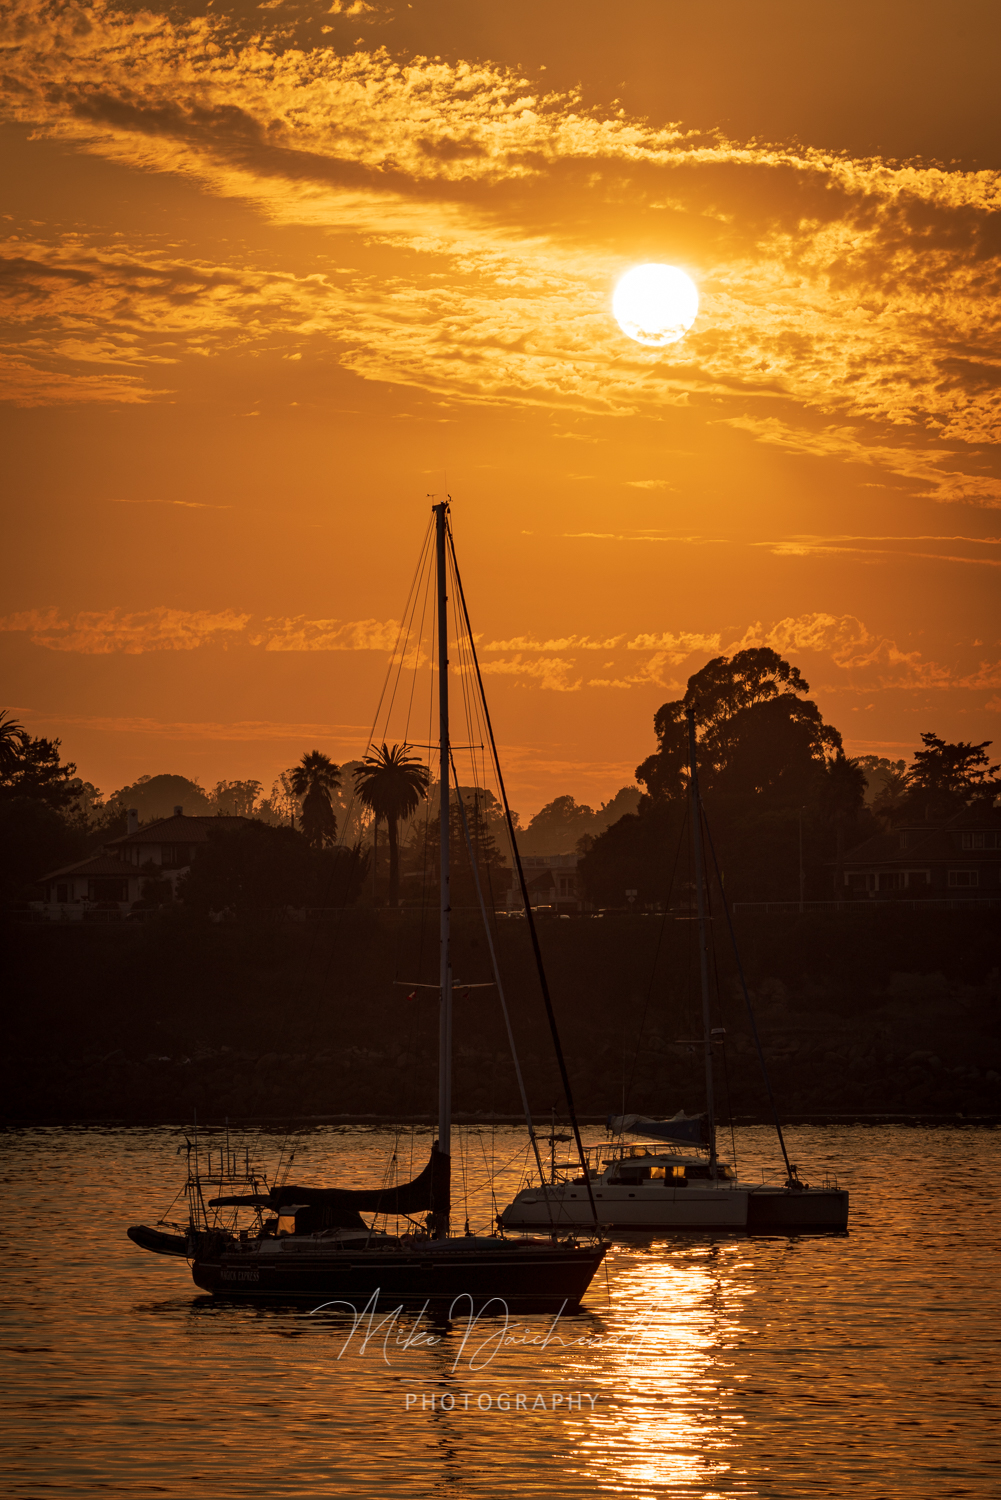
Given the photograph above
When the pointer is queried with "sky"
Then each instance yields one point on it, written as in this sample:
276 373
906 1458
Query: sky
275 273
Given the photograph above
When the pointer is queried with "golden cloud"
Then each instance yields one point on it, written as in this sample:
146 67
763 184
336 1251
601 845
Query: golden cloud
856 290
103 632
299 634
552 672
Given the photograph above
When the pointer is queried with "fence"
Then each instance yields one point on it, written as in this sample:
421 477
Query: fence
859 908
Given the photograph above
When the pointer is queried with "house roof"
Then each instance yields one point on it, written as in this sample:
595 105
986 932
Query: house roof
178 830
99 864
927 841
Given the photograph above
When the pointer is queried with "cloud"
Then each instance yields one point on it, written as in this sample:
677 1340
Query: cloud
675 648
299 634
553 673
202 730
860 293
648 484
101 633
563 643
923 465
184 504
104 632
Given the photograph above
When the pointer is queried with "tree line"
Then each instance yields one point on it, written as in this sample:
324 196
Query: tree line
774 776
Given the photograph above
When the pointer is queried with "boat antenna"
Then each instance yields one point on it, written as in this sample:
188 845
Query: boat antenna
790 1170
445 973
700 897
530 919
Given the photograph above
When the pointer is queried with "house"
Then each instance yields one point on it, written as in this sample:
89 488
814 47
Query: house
958 858
161 850
551 881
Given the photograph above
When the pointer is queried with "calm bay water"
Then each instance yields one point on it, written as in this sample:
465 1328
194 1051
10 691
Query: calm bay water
864 1365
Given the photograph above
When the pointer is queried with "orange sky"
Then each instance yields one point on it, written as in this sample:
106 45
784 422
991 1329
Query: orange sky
272 276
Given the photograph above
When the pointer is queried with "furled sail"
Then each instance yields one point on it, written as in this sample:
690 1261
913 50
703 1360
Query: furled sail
689 1130
338 1208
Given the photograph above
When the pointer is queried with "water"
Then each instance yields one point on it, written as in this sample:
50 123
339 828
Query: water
863 1365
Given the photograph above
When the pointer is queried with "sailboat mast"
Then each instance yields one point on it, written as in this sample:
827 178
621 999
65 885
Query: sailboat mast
445 980
700 898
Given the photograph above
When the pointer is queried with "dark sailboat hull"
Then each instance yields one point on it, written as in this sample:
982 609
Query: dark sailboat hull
459 1275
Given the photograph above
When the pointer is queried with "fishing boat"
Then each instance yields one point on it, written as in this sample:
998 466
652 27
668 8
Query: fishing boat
248 1238
672 1177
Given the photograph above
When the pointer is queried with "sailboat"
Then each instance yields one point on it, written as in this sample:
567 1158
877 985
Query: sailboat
672 1176
311 1243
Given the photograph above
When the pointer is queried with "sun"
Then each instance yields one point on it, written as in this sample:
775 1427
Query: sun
655 304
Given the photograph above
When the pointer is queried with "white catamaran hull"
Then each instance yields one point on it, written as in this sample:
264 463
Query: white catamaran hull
654 1207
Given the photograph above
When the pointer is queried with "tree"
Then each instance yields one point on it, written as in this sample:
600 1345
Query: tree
31 767
255 870
763 751
757 735
236 799
11 735
843 796
313 779
424 853
945 778
556 828
392 782
156 797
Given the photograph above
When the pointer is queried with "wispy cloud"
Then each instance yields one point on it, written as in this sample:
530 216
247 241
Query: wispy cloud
921 464
859 293
561 643
105 632
299 634
551 672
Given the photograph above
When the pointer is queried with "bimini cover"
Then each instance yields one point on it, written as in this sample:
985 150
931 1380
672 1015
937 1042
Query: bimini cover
338 1208
688 1130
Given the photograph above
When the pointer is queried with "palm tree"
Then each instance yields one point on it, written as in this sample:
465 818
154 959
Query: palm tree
313 779
392 782
12 737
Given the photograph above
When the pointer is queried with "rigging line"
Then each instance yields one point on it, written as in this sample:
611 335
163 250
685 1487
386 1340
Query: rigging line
420 642
747 998
413 584
543 982
500 992
656 956
719 1008
402 655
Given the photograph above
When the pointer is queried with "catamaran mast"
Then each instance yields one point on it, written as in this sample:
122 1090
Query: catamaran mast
700 898
445 979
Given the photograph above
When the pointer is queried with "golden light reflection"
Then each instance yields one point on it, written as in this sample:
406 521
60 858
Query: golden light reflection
667 1423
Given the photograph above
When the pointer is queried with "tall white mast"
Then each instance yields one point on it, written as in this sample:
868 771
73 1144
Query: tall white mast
445 980
700 898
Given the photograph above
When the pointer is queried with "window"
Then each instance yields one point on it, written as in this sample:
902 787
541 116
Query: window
62 894
980 840
964 877
892 880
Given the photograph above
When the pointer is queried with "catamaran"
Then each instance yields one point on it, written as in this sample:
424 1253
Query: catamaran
672 1177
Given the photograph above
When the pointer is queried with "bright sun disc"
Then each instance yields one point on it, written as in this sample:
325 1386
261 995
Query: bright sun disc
655 304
